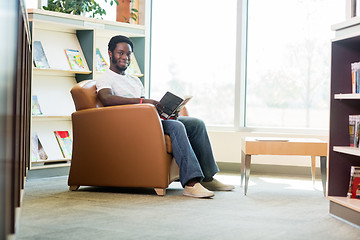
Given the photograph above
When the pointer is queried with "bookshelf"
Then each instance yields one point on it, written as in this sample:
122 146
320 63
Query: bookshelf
345 50
57 32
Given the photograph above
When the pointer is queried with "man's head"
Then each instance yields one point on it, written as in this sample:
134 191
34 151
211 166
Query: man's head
120 49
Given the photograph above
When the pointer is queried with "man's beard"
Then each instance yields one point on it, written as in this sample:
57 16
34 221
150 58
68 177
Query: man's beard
119 68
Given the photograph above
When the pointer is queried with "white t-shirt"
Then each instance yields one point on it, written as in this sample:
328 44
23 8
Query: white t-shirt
126 85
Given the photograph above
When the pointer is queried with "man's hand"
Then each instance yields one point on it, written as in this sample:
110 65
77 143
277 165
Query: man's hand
157 104
175 115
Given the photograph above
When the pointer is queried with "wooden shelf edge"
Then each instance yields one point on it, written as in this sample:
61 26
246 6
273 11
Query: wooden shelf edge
83 18
55 71
52 160
347 150
53 163
347 96
351 203
52 118
50 166
82 22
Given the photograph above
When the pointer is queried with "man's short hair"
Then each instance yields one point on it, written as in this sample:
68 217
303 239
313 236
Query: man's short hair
118 39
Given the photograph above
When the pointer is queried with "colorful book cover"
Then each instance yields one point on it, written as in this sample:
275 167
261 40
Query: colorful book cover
134 68
65 143
354 184
354 130
356 188
40 60
37 150
74 59
101 64
35 106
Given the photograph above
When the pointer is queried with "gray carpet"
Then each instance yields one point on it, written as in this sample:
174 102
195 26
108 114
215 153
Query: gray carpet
275 208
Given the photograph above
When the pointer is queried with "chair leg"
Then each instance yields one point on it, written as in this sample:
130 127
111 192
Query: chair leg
74 188
160 191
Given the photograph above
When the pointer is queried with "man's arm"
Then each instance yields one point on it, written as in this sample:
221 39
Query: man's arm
107 98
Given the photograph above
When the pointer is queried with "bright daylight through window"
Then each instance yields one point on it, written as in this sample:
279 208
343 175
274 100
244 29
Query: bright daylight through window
288 59
288 62
193 53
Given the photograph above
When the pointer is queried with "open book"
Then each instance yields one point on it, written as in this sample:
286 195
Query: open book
172 104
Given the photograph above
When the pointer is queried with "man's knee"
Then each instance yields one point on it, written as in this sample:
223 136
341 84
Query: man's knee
194 123
174 126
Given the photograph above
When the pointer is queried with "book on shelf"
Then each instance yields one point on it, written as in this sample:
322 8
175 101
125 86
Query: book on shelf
35 106
40 60
65 143
37 149
74 59
101 64
354 184
355 77
354 130
172 105
133 68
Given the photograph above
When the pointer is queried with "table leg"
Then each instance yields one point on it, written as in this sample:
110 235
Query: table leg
323 172
242 168
247 171
313 169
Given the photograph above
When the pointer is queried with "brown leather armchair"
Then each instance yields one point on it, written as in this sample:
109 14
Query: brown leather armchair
118 146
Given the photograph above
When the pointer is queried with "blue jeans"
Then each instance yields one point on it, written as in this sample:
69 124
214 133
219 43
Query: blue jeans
191 148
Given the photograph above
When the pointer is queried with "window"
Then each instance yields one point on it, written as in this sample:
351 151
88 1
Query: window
288 62
287 78
193 53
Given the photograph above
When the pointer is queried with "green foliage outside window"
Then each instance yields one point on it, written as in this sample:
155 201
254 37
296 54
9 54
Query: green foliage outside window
77 7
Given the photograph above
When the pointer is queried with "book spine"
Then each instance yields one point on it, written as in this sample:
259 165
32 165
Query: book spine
352 130
355 77
356 130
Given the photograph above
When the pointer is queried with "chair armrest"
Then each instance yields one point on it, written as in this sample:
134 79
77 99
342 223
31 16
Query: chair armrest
140 123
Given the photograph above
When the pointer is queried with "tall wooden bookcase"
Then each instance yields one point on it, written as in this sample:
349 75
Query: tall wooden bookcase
345 50
57 32
15 77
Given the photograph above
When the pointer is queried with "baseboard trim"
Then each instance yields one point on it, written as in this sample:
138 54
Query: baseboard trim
48 172
269 169
223 166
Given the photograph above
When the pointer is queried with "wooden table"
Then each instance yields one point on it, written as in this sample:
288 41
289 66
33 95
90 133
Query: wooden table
283 146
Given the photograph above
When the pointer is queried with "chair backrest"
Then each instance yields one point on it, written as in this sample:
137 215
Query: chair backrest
84 95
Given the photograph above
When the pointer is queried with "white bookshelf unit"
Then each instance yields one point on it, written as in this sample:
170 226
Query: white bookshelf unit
57 32
345 50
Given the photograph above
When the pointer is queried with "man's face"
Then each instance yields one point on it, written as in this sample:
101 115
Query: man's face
120 57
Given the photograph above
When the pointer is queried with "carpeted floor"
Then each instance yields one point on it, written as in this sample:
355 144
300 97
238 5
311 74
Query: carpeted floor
275 208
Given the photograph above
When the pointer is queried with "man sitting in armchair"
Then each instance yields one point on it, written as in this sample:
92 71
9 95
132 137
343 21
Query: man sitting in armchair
191 146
